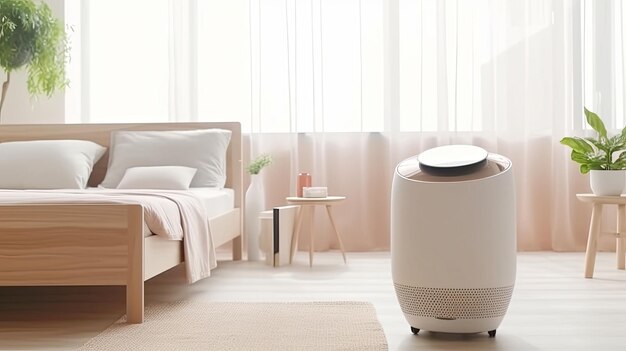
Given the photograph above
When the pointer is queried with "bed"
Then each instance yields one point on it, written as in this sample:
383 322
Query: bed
103 244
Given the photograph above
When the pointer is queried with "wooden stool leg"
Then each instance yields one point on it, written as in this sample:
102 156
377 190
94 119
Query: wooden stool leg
332 221
311 245
621 232
594 231
296 233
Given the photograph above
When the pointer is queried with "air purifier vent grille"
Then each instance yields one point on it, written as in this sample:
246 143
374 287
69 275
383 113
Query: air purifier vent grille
443 303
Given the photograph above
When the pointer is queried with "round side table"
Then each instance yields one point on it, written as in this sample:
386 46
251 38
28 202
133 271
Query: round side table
307 205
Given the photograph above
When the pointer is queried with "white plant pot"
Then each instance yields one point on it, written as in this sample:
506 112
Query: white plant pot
607 183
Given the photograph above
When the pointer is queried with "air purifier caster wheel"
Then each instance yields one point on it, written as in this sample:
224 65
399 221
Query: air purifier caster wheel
492 333
415 330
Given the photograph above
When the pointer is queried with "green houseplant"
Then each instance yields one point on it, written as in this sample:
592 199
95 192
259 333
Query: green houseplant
602 156
258 163
32 38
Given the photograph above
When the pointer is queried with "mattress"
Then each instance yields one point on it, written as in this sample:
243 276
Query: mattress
216 201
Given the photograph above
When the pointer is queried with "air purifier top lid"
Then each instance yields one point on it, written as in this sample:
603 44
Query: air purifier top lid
452 160
473 164
449 156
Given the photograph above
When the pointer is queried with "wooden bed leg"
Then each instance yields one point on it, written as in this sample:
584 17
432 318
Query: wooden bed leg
237 244
134 303
135 283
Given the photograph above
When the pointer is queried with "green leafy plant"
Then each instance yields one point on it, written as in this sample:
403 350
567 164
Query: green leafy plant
31 37
258 163
598 153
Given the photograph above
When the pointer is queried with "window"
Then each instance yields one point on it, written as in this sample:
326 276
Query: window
125 72
344 65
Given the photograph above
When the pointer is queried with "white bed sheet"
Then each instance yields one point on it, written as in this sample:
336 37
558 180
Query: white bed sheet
215 200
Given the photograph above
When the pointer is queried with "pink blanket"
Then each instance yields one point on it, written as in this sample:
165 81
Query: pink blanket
175 215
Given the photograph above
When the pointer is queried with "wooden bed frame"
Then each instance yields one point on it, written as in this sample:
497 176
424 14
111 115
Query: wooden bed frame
101 244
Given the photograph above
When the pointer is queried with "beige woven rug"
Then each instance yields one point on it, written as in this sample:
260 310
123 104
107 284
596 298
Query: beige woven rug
196 325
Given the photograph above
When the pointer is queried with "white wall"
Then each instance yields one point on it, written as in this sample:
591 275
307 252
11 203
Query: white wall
19 107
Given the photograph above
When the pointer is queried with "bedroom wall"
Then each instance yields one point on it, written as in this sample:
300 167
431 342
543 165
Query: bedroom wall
19 107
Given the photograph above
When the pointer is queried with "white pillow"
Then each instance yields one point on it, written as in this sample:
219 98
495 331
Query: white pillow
157 177
204 150
47 164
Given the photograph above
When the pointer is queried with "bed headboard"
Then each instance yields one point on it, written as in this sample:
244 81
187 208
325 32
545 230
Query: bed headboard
101 134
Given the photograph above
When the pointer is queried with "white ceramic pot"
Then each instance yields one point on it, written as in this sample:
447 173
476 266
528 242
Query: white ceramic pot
255 203
607 183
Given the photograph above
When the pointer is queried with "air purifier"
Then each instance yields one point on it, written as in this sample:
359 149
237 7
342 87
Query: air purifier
453 241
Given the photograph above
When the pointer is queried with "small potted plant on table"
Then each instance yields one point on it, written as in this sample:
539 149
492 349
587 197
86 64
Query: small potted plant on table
602 157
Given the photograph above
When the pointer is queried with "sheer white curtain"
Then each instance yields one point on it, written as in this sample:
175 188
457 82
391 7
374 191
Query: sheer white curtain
346 89
604 59
124 60
604 74
499 74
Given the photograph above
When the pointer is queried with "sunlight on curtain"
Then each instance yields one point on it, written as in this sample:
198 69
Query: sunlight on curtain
316 66
127 69
603 57
303 66
223 61
448 49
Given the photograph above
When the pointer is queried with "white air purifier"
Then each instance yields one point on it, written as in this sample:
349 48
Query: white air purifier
453 242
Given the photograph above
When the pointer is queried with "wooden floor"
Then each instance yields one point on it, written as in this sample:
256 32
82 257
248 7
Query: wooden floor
553 307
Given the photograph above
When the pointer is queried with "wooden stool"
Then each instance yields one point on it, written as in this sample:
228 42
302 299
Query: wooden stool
594 228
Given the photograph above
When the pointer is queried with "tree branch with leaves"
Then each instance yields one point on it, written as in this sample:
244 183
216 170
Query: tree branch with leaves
32 38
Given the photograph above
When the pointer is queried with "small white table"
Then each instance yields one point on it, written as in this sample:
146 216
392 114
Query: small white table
308 204
594 229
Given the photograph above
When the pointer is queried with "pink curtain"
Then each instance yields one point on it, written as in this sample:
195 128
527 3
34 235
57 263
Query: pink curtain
360 166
